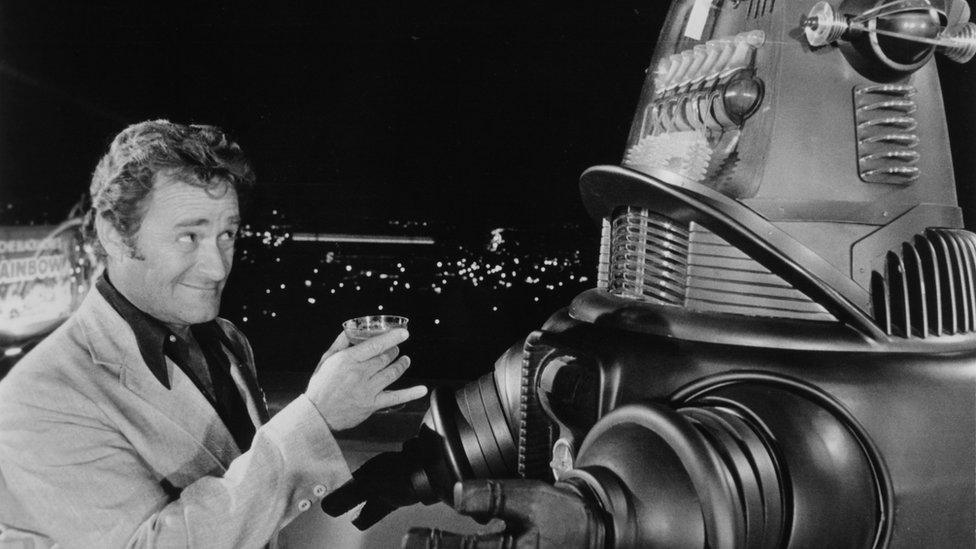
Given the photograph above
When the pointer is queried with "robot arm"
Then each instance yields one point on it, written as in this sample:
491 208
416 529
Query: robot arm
468 434
735 460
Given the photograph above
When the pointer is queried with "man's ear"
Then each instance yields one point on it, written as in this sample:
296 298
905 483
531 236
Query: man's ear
110 238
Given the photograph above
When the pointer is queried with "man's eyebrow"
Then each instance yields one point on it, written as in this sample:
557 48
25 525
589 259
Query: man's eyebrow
198 222
203 221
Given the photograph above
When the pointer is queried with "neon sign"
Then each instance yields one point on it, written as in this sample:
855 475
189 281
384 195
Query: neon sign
43 278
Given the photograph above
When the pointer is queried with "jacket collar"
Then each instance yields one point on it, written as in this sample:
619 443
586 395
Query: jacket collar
154 339
112 343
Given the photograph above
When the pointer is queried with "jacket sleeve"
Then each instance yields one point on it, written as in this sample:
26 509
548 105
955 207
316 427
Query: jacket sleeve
88 486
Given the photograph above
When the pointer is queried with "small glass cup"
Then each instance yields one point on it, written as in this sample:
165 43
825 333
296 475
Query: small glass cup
362 328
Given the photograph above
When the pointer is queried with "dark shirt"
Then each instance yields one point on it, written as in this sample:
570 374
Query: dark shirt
156 342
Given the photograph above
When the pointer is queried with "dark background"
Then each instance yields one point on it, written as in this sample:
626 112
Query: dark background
457 110
466 116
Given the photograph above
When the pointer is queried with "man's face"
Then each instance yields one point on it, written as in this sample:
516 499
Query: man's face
184 251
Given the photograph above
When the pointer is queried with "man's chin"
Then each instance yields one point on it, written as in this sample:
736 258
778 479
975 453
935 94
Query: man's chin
198 306
199 313
205 318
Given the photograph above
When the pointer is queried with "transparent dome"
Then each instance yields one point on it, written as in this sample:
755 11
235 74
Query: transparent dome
704 110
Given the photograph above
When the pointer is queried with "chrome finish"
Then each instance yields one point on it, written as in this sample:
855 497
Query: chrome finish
885 156
928 287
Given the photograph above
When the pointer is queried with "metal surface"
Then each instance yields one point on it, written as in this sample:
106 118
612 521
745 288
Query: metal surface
913 19
648 258
926 288
604 187
886 137
723 279
655 259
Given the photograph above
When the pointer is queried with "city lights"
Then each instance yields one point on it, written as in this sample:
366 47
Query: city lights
508 273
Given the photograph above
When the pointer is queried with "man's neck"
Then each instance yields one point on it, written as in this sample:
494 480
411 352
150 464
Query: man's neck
182 331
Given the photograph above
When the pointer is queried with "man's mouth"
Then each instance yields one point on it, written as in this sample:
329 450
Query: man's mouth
202 288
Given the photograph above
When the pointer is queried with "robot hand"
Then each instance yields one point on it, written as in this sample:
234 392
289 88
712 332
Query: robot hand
536 515
392 480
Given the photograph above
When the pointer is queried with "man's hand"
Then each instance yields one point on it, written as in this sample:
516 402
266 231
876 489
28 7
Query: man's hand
349 383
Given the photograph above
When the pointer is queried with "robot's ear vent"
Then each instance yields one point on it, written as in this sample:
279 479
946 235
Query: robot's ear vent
887 140
928 287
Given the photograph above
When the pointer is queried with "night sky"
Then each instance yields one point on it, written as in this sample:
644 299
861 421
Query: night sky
479 112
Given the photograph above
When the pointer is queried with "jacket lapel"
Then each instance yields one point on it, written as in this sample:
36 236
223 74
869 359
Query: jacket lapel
193 419
242 371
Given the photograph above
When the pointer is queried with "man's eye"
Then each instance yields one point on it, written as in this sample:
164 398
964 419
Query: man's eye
187 238
228 235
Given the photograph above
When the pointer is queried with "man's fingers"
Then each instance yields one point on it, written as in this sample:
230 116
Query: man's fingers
391 373
377 344
377 363
340 343
393 398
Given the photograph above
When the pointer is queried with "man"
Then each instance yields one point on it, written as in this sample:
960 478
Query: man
139 421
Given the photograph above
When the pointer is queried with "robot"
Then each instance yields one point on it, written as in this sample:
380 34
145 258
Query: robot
781 347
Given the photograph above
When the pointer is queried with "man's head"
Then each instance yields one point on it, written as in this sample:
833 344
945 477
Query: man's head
165 211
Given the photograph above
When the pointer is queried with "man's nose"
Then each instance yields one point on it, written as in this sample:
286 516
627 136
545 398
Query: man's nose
212 262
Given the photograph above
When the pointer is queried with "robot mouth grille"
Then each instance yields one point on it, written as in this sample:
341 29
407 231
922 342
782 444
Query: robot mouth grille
929 288
649 257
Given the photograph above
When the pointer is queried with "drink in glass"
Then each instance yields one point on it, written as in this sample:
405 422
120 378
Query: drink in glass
364 327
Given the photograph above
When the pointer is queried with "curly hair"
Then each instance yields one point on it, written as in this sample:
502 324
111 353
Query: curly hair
195 154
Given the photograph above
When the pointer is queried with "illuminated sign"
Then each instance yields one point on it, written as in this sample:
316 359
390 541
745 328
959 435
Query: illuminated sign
41 282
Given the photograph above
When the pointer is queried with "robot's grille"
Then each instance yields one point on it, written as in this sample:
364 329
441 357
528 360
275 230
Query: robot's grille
649 257
722 278
927 287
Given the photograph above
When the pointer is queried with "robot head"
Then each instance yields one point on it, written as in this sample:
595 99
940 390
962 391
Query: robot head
790 159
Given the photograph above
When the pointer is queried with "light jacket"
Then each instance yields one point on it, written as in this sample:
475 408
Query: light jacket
95 452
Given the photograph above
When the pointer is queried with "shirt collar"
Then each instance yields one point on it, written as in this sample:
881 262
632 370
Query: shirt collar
154 339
